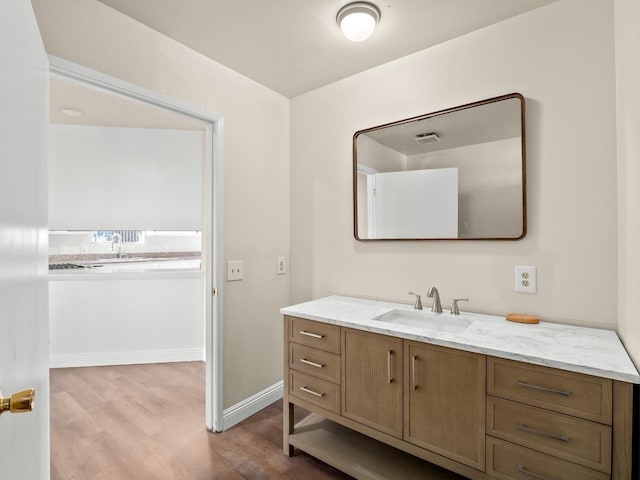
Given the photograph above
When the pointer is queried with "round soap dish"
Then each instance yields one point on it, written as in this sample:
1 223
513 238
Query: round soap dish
522 318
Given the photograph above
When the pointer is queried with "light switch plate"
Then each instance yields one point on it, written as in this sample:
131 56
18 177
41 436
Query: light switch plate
526 279
281 265
235 270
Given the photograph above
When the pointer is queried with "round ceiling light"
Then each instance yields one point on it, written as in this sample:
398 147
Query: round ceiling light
357 20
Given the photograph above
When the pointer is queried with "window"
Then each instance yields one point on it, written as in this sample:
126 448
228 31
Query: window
126 236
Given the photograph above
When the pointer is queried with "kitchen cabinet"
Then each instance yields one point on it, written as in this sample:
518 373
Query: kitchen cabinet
445 401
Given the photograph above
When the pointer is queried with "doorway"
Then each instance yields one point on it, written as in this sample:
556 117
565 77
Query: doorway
211 232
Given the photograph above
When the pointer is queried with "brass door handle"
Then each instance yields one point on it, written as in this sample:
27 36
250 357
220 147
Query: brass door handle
20 402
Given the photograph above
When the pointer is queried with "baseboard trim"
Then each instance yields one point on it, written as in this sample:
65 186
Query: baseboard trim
126 358
249 406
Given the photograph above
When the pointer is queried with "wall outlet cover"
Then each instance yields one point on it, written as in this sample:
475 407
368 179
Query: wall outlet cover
526 279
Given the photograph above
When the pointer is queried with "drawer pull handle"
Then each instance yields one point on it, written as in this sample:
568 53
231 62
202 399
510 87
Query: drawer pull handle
523 428
309 334
522 469
313 364
564 393
306 390
389 366
414 385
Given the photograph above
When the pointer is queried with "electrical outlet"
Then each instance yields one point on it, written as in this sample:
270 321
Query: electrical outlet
235 270
281 265
526 279
165 248
84 249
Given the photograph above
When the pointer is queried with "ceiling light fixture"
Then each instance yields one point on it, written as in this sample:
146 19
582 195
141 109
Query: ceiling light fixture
357 20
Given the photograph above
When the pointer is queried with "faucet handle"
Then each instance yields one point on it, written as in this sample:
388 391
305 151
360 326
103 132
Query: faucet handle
418 305
454 306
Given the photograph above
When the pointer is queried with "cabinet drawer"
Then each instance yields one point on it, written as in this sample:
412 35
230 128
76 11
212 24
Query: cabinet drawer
315 362
571 438
575 394
315 334
314 390
506 461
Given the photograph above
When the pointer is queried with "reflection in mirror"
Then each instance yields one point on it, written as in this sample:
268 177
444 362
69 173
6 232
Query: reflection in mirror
453 174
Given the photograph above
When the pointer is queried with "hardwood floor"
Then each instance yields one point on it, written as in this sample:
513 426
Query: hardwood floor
147 422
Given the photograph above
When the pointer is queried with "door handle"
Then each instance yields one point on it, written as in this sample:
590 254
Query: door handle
20 402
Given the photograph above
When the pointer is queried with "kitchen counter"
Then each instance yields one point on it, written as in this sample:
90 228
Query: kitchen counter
160 265
585 350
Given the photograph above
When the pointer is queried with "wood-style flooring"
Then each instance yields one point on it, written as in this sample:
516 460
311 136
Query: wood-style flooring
144 422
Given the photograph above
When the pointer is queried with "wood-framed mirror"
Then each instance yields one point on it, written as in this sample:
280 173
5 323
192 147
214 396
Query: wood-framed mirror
454 174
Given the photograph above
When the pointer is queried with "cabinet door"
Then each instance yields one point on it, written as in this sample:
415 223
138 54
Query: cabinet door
372 380
445 402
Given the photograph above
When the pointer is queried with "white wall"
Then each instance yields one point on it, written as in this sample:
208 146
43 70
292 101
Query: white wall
109 321
627 19
256 166
379 156
560 57
124 178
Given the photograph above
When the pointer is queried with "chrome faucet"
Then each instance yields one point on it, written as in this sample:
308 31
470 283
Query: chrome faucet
119 242
436 307
418 305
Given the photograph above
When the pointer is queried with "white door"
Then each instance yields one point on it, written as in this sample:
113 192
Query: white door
24 330
417 204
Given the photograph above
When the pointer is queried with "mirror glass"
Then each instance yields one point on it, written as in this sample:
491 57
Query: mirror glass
457 173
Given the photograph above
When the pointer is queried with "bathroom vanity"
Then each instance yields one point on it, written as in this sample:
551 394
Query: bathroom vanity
389 387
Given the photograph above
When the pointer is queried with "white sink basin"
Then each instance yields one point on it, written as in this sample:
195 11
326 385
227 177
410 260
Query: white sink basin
425 320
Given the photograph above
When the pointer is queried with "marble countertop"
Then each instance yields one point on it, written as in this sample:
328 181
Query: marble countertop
591 351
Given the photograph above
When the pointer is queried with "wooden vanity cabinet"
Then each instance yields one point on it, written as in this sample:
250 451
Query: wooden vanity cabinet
314 363
374 397
445 401
551 423
372 380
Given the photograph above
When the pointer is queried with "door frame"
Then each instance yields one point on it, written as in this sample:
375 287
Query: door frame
212 216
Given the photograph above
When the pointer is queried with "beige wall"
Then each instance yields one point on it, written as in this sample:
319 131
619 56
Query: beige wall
627 19
561 58
568 81
256 166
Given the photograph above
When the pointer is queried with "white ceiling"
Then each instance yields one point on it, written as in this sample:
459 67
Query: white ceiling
294 46
490 122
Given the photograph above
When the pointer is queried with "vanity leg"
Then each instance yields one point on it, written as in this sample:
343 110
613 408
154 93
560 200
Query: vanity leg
287 408
622 430
287 427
